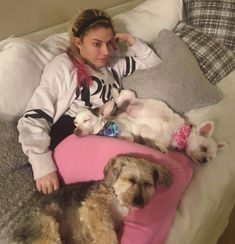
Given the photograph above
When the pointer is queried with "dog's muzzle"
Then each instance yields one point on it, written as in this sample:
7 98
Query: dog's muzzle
138 201
203 160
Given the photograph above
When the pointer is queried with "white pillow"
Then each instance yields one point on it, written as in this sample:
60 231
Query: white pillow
147 19
56 43
21 66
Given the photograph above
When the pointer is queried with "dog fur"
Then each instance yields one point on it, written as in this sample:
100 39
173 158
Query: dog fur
71 216
151 122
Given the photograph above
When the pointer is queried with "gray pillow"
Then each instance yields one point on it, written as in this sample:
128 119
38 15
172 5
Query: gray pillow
177 80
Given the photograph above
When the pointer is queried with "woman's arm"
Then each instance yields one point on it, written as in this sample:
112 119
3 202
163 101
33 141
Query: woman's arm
34 129
35 125
144 57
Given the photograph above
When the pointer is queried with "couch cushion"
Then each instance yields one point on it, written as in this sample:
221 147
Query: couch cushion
140 227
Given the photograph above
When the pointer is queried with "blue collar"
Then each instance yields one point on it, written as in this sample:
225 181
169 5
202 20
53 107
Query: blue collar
110 129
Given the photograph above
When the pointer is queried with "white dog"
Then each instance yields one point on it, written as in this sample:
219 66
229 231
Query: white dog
151 122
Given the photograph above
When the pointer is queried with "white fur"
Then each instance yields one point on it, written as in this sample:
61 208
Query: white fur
87 123
152 122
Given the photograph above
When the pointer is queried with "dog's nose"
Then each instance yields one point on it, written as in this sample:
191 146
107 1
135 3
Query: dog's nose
138 200
203 160
77 131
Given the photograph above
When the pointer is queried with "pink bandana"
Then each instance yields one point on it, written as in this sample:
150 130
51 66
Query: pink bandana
180 136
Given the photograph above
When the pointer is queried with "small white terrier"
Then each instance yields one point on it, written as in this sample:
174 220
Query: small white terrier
151 122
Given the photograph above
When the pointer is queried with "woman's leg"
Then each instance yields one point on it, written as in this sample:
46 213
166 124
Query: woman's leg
61 129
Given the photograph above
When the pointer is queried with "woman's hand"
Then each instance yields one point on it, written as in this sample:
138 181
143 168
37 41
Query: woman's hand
48 183
124 37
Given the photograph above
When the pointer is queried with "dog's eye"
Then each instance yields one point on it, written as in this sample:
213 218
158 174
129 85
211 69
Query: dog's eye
147 184
132 181
203 149
85 120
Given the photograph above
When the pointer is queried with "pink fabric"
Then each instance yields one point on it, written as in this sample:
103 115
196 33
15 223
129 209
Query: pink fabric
83 159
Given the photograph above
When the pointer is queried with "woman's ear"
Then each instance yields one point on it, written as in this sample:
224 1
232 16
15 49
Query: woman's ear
78 42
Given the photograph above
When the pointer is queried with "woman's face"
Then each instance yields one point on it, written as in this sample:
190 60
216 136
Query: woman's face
96 46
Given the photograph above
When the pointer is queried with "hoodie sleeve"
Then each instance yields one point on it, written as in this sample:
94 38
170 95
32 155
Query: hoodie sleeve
144 58
34 128
35 125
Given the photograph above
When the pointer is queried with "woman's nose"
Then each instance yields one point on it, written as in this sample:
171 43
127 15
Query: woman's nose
105 50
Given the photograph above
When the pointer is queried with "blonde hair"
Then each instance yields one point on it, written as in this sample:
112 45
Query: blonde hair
82 23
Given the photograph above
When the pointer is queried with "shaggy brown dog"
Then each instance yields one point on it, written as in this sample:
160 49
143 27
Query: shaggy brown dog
129 183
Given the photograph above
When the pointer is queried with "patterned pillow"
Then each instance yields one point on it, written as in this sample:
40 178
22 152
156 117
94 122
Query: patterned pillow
215 60
213 17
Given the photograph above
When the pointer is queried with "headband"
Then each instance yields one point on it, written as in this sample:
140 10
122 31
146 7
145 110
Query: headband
87 23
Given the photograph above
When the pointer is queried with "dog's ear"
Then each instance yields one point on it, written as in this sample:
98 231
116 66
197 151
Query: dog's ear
221 145
161 175
112 170
95 111
206 128
155 176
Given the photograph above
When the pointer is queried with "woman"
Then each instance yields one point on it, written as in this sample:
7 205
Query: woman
83 76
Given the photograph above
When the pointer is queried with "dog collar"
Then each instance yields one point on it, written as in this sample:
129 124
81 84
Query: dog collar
110 129
180 136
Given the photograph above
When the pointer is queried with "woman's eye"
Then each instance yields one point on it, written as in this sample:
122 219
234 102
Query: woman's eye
110 44
97 44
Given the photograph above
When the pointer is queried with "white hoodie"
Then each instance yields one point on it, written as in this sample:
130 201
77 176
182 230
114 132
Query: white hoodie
58 94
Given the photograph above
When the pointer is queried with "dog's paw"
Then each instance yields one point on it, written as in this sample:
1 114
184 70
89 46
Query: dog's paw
114 93
107 109
128 137
161 146
165 176
163 149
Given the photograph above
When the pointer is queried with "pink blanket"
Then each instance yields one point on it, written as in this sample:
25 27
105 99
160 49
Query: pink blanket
83 159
